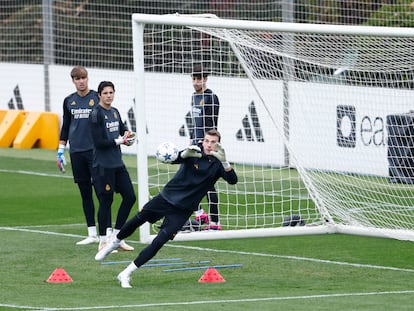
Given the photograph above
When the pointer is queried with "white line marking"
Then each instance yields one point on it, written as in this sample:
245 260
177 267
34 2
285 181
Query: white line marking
60 175
202 302
27 229
35 173
357 265
292 257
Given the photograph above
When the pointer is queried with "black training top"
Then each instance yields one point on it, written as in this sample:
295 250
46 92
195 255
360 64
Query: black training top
204 112
106 125
194 179
75 123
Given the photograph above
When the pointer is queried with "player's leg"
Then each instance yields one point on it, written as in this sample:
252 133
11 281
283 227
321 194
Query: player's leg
172 223
212 199
125 188
151 212
104 180
82 177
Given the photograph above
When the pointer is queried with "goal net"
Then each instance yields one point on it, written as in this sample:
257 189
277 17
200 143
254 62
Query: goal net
315 119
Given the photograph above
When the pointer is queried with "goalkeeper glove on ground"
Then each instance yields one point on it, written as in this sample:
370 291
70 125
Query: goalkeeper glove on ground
61 161
220 154
191 152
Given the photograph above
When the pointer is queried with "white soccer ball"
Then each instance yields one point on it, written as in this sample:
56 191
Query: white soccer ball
167 152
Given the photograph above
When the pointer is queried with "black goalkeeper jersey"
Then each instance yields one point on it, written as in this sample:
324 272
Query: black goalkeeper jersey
75 125
194 179
106 125
204 113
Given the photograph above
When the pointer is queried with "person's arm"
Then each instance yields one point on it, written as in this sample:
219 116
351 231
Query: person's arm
66 119
63 138
100 141
128 137
229 174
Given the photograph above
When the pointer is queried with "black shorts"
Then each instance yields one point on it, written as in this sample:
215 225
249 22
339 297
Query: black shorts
110 180
81 165
158 208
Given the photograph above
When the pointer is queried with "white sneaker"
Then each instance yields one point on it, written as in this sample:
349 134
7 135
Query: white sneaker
124 280
125 247
88 240
106 248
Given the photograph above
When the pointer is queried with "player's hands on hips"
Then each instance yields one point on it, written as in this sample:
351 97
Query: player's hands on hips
61 161
220 154
192 151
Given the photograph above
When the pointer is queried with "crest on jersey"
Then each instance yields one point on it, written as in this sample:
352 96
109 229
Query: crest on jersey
91 103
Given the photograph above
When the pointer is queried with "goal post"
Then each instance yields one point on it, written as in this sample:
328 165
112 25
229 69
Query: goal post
316 119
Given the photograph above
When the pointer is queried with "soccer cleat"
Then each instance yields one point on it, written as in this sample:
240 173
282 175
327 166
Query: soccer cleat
106 248
202 217
124 280
125 247
88 240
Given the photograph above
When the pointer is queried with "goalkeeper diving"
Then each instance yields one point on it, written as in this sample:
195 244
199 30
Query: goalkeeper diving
199 170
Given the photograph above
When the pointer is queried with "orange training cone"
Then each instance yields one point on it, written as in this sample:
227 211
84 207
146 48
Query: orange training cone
59 276
210 276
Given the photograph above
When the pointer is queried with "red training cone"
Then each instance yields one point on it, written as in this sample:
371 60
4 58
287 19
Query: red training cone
210 276
59 276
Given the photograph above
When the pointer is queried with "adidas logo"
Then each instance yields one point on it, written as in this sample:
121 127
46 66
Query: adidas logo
251 130
17 98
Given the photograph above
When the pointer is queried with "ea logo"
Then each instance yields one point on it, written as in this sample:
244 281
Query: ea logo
345 126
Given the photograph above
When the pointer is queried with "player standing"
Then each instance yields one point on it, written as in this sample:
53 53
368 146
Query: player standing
75 129
109 171
204 113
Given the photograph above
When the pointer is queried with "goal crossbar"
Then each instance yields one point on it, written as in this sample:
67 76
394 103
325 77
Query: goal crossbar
210 20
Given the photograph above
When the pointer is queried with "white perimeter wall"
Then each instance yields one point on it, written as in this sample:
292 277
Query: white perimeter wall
313 117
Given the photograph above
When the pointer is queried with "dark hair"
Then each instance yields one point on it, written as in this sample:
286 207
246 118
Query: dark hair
199 71
104 84
78 72
214 133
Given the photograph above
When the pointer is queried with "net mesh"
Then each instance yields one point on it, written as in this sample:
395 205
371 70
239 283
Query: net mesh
334 110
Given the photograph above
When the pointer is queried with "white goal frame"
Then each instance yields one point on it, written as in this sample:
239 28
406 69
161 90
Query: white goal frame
327 225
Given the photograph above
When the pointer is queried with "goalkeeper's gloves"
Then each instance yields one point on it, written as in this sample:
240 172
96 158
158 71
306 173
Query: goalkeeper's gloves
128 139
131 138
192 151
61 161
220 154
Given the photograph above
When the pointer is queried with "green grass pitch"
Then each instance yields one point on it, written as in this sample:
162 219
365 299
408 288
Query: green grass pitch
41 220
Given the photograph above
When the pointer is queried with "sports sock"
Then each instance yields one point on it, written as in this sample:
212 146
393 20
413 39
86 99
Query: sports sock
92 231
129 269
